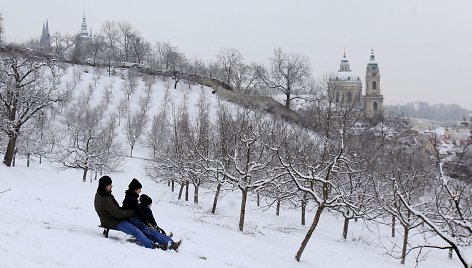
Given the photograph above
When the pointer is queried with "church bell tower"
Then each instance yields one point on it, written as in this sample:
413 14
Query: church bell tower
373 98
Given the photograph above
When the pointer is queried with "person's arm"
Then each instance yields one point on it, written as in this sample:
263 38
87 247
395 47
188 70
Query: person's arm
115 211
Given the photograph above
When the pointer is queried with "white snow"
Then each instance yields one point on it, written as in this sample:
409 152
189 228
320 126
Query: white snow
48 220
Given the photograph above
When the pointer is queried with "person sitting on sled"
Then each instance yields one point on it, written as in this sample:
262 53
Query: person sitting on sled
140 220
145 203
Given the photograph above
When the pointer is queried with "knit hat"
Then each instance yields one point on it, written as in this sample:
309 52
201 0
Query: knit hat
146 200
134 185
103 182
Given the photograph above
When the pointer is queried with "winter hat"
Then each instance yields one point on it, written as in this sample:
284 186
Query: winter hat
103 182
146 200
134 185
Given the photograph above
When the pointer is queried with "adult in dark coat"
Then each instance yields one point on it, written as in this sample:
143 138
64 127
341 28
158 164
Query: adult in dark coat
112 216
139 219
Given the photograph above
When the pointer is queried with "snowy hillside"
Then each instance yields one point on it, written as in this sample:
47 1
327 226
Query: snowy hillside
48 218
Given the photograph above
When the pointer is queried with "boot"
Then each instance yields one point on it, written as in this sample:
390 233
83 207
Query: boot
175 245
158 246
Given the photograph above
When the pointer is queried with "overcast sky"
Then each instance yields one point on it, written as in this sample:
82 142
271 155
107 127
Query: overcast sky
423 47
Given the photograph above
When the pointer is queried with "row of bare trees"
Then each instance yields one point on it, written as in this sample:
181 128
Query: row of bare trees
379 174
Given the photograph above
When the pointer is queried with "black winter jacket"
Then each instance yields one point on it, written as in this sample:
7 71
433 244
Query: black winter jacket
131 202
148 213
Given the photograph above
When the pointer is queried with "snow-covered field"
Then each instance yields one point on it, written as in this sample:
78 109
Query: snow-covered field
48 220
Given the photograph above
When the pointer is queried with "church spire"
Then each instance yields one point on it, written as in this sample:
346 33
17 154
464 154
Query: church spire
344 66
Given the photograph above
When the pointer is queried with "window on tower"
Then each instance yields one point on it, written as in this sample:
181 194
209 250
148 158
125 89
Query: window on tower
375 106
374 84
349 97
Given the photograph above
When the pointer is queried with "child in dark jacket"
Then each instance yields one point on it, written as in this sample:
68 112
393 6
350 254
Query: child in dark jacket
145 203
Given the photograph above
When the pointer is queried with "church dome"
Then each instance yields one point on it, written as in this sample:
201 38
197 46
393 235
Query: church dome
344 73
347 76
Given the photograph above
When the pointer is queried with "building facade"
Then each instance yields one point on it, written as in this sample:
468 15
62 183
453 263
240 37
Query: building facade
345 89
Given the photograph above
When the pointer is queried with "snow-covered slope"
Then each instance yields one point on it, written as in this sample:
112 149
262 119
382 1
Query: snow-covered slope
48 218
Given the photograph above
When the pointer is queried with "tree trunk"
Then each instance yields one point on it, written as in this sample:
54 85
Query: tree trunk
258 200
303 211
215 200
195 194
9 154
310 232
173 185
168 183
345 227
186 190
406 230
84 175
243 210
450 253
28 160
393 226
181 190
131 151
277 208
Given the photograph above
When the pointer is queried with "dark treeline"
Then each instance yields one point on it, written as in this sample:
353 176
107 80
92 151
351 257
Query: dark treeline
439 112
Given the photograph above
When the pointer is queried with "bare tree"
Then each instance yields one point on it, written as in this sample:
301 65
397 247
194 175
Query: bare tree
178 65
162 54
28 84
110 33
62 43
289 74
447 212
88 139
131 82
229 59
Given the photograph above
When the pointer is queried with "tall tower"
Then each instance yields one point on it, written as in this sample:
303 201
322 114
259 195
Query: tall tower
373 99
45 41
83 28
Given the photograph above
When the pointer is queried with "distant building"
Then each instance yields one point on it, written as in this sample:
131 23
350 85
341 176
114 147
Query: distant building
82 39
345 88
45 40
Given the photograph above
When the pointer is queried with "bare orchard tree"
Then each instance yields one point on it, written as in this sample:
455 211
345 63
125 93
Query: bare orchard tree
159 135
229 59
28 84
289 74
131 82
448 212
178 65
248 159
87 139
36 139
403 171
136 121
202 145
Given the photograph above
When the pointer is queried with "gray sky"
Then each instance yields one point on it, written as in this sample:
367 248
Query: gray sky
423 47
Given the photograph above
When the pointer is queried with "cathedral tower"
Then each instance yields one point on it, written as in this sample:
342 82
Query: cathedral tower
373 99
45 41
